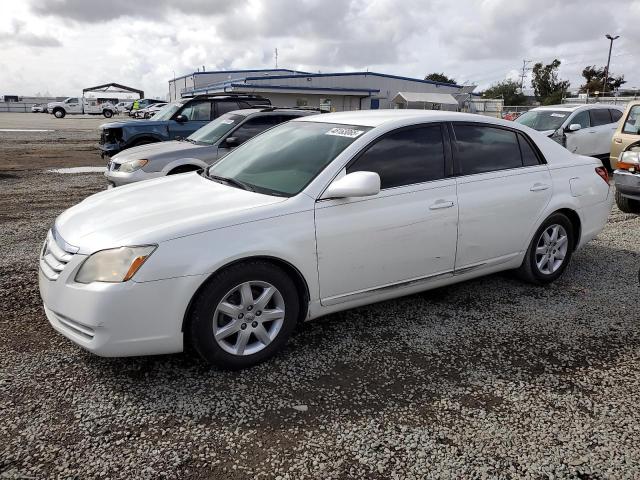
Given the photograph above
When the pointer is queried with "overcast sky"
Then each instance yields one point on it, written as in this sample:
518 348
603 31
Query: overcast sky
61 46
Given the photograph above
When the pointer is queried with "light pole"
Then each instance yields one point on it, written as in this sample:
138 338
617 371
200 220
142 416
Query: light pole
606 71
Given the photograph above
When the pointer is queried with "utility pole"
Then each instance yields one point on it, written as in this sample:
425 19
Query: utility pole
276 58
606 71
525 69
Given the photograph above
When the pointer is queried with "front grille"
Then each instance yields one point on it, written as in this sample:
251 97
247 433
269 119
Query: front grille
103 138
54 257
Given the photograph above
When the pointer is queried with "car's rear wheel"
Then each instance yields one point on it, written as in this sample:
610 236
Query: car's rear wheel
549 252
243 315
626 204
107 113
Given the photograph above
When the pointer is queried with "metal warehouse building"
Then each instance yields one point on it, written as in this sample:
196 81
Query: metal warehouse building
331 91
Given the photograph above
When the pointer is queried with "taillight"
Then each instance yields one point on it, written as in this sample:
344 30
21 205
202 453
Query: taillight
604 174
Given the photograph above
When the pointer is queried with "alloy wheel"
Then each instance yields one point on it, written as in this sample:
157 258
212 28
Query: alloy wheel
248 318
551 249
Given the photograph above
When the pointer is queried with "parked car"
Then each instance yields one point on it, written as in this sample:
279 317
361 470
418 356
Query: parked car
81 106
123 107
625 156
200 149
38 107
142 104
583 129
316 215
177 119
151 110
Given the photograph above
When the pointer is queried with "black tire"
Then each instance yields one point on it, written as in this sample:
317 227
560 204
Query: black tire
200 320
184 169
626 204
529 270
107 113
59 113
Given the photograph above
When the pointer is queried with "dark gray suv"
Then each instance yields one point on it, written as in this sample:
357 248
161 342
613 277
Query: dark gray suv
199 150
177 119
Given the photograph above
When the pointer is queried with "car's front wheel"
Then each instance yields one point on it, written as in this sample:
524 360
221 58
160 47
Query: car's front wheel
59 113
549 252
243 315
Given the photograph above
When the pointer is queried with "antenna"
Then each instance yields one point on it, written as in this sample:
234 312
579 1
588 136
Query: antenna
276 55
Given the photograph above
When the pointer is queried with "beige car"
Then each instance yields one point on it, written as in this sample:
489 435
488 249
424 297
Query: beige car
628 132
625 159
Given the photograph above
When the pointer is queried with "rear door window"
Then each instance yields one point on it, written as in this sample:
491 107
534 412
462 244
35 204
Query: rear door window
600 116
529 155
405 157
481 149
615 114
226 106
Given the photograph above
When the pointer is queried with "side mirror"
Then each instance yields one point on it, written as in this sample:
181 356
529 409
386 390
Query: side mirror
574 127
356 184
181 119
230 142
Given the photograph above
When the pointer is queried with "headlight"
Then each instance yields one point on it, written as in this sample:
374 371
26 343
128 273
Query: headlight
630 159
133 165
114 265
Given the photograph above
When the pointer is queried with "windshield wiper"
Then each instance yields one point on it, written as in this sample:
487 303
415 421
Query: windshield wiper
190 140
229 181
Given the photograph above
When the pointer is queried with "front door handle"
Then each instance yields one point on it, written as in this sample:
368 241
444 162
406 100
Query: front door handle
538 187
441 204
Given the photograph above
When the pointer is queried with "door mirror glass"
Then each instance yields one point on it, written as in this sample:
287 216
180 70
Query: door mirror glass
574 127
356 184
181 118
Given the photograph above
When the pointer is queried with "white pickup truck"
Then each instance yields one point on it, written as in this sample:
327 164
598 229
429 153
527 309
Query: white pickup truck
82 105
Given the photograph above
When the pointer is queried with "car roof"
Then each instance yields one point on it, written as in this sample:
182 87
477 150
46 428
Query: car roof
269 110
571 107
375 118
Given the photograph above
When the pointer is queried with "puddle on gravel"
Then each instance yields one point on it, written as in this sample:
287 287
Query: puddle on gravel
78 170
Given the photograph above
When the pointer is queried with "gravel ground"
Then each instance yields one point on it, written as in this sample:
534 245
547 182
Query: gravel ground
487 379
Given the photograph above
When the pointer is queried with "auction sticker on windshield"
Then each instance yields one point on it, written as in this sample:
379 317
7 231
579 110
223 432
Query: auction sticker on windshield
228 121
345 132
561 115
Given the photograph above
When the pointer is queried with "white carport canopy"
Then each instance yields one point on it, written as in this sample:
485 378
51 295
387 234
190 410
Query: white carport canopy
424 98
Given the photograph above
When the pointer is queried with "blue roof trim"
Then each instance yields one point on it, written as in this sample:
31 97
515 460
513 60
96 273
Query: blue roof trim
344 74
234 83
244 71
287 87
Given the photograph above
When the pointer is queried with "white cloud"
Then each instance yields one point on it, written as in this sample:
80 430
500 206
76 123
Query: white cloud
65 45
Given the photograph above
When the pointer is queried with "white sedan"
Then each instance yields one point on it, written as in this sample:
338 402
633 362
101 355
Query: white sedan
317 215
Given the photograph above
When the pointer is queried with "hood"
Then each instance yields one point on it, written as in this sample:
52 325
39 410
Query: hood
158 210
547 133
166 150
133 123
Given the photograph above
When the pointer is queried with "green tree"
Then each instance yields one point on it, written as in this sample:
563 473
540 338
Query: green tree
508 90
547 86
439 77
594 80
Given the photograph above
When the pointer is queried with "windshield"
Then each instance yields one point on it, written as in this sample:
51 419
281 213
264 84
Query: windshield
542 120
166 112
213 131
283 160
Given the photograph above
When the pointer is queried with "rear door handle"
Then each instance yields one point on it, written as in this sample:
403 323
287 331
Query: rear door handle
538 187
441 204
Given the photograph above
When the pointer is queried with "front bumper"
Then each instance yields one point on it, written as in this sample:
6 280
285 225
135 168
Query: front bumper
118 319
627 183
